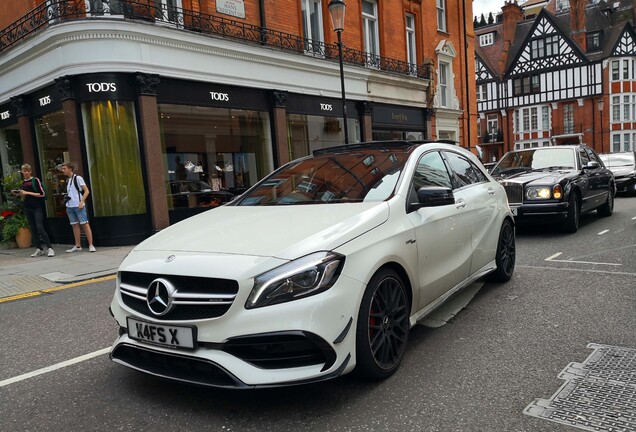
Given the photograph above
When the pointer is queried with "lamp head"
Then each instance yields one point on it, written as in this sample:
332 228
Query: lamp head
337 12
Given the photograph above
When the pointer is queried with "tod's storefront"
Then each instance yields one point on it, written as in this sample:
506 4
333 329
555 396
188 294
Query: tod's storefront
155 150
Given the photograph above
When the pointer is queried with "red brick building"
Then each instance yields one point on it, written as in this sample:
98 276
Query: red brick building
170 107
562 73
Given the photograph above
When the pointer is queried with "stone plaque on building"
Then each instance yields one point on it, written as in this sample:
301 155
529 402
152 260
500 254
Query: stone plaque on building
235 8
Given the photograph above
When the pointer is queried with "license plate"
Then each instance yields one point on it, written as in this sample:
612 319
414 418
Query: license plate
514 211
160 334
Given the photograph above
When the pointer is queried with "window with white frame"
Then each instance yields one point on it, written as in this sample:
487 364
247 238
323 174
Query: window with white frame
410 38
623 69
568 118
562 5
493 126
526 119
482 92
534 120
312 25
624 141
545 118
478 128
370 29
444 96
623 107
487 39
170 10
441 15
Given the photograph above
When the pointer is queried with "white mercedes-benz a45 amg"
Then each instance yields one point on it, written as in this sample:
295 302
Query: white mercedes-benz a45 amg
319 269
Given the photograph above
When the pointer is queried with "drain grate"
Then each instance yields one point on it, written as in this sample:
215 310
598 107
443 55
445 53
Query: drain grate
598 395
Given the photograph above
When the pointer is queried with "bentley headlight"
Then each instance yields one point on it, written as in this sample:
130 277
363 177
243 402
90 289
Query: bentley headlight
539 193
309 275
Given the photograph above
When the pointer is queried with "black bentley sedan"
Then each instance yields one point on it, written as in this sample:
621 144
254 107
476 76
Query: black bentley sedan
556 183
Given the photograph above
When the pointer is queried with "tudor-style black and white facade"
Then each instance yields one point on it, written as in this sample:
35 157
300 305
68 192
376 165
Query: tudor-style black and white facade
552 80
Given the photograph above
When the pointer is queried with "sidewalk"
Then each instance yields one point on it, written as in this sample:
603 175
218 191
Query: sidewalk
19 273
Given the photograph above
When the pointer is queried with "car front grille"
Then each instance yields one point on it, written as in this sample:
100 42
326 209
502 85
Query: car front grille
175 366
195 297
514 191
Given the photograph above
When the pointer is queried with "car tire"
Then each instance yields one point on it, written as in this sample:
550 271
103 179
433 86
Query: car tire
571 224
506 254
382 327
608 206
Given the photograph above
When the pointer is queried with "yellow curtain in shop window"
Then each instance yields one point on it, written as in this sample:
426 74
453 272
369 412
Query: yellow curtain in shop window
114 161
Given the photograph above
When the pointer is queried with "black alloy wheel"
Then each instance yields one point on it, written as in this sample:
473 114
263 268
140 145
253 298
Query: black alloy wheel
506 254
608 206
383 326
571 223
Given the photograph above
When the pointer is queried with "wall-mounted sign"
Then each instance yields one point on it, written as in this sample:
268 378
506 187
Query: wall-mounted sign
326 107
45 100
235 8
5 115
217 96
101 87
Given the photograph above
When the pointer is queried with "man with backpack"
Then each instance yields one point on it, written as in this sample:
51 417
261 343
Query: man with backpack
75 198
34 196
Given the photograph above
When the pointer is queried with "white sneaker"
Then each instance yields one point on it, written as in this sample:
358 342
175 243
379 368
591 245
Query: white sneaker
74 249
37 253
51 252
91 248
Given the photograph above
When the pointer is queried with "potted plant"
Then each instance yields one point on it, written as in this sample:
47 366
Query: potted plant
15 228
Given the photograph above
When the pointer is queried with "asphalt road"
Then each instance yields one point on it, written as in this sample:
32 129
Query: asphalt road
476 373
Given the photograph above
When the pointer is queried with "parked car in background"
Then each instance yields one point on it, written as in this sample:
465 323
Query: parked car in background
196 193
623 165
556 183
321 267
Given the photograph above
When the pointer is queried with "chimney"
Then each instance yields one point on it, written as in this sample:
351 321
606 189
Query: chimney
577 22
512 14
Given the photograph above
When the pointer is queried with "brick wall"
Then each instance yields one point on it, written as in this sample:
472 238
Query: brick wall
11 10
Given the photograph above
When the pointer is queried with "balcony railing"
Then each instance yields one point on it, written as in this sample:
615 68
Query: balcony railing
492 137
56 11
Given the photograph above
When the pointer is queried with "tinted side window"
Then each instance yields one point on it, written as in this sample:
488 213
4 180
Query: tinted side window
431 171
465 171
594 157
584 157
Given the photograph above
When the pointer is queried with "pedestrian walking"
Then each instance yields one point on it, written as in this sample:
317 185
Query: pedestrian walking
34 196
75 198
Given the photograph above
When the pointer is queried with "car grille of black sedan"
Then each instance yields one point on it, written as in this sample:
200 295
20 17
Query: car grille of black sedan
195 297
514 191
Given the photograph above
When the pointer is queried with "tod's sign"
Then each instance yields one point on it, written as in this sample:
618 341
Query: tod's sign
5 115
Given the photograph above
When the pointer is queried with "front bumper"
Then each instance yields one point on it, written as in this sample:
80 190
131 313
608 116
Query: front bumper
625 184
539 211
297 342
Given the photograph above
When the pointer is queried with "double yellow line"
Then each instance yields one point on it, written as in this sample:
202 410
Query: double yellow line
58 288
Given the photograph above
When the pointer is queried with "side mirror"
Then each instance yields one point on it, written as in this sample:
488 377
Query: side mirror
433 196
591 165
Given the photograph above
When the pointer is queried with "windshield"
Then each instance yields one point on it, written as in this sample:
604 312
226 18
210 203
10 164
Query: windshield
360 176
536 159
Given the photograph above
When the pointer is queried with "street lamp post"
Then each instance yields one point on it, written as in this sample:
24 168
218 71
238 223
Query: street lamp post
601 104
337 12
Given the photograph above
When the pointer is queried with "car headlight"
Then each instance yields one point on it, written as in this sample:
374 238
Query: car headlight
309 275
544 192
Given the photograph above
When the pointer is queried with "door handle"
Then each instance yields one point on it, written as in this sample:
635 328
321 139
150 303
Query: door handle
491 191
460 204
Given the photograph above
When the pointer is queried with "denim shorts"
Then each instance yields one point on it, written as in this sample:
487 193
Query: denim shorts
77 215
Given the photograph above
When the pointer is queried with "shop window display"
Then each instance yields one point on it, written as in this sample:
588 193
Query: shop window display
114 158
50 133
10 153
311 132
211 154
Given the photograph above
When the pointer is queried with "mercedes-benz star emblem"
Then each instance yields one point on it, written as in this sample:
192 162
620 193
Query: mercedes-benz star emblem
159 296
170 258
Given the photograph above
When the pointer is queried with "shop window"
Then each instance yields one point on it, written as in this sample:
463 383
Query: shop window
113 156
50 135
10 154
307 133
211 154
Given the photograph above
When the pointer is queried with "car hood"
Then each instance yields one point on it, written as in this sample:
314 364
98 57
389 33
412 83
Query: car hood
622 171
285 232
536 177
